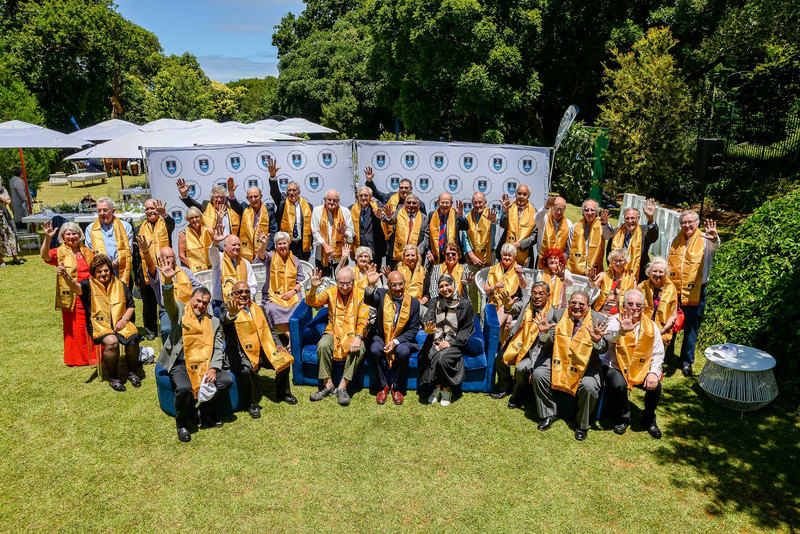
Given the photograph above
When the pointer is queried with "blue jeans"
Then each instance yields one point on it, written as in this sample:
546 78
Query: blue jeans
692 318
166 327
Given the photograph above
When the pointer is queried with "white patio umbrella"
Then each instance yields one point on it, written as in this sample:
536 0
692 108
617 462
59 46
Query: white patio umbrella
295 126
19 134
103 131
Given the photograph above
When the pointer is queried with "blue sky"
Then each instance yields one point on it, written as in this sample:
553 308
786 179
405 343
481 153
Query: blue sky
232 39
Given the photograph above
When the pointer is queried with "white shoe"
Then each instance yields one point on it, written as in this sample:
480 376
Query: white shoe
446 396
434 398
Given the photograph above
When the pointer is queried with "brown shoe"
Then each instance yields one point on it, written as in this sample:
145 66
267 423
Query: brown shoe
397 397
380 398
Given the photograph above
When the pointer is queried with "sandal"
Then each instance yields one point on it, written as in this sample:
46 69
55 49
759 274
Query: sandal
135 380
117 386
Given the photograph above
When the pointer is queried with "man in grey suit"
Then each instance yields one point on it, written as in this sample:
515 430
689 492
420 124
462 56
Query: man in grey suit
591 382
411 206
173 360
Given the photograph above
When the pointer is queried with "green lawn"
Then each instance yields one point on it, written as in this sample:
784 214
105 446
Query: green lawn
80 457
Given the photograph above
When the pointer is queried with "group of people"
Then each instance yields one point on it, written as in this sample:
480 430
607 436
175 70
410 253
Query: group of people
395 269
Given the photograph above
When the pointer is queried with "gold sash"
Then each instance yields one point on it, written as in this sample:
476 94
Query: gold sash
394 200
123 247
634 248
198 346
553 239
355 214
570 354
581 261
254 335
231 275
686 263
480 237
338 240
433 233
666 305
248 233
415 281
108 308
390 333
508 276
457 272
404 235
197 249
282 278
210 218
160 238
525 337
182 286
65 296
633 357
556 288
288 220
342 320
628 281
520 227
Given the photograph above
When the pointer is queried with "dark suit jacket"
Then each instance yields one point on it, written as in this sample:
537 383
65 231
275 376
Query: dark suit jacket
383 198
374 298
649 236
279 199
137 265
233 350
378 239
465 316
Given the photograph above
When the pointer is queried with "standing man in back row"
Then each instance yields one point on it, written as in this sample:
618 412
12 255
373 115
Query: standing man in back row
292 212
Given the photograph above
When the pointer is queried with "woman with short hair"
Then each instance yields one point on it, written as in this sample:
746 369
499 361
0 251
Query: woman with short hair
660 297
506 276
194 241
558 277
613 283
285 276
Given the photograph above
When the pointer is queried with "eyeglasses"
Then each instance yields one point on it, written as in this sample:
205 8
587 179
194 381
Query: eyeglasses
344 284
451 254
637 305
292 190
240 292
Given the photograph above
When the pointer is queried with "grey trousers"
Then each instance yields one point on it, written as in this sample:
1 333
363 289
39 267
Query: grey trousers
325 357
588 391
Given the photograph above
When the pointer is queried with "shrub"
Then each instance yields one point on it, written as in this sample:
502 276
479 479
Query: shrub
754 289
574 161
493 137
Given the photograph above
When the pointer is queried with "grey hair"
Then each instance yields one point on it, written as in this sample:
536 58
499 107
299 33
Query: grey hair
282 236
583 204
219 189
292 183
541 283
363 250
618 253
630 292
689 212
631 209
405 180
655 261
107 200
412 195
194 211
580 292
508 248
69 226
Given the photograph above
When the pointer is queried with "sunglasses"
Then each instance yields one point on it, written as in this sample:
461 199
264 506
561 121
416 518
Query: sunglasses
240 292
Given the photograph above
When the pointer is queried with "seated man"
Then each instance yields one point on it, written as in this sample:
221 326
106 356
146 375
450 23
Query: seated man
228 268
348 320
249 345
633 359
193 355
393 337
523 350
574 337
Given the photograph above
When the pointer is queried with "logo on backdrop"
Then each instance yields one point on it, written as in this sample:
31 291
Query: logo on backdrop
177 213
235 162
482 185
221 182
171 166
510 186
497 163
296 160
467 207
409 160
194 189
253 181
439 161
270 206
203 165
527 164
381 160
327 159
468 162
283 181
452 184
314 182
424 183
393 182
263 158
497 207
434 205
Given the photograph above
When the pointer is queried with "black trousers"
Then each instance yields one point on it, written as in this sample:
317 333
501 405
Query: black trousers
617 390
248 383
297 249
185 411
149 309
519 386
390 375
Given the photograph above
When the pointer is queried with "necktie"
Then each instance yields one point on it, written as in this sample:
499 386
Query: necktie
576 326
296 229
410 226
627 239
442 232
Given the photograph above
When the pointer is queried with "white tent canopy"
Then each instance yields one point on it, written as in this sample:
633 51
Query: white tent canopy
294 126
19 134
106 130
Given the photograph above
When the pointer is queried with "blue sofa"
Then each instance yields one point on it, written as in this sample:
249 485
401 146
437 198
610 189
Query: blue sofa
166 395
305 332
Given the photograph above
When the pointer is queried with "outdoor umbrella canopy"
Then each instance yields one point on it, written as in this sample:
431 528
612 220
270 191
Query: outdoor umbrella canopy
106 130
294 126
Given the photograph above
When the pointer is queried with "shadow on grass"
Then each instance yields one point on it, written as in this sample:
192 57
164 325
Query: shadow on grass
750 463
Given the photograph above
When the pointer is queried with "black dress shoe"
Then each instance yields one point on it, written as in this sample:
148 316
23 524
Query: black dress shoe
620 428
512 405
184 435
117 386
687 370
546 423
254 410
654 431
497 395
211 423
288 399
580 434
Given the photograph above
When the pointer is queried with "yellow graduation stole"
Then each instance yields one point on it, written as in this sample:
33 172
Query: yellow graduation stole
480 236
108 306
525 337
457 272
666 305
634 248
580 260
65 297
123 247
282 278
394 200
570 354
288 220
556 286
553 239
248 233
338 240
433 234
508 276
634 356
182 286
254 335
197 249
198 346
360 282
520 226
686 263
389 309
414 281
210 218
405 235
342 319
158 233
355 214
628 281
231 275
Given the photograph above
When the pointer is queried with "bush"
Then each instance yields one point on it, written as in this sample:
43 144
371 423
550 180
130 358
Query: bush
754 289
493 137
574 161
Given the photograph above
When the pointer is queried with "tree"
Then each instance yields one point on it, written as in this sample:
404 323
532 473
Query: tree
258 99
317 15
648 109
226 101
181 90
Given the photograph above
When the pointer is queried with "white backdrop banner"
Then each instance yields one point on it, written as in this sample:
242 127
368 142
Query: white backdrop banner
316 166
460 169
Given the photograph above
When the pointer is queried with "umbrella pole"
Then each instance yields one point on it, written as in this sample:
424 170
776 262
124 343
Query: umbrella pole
25 179
120 174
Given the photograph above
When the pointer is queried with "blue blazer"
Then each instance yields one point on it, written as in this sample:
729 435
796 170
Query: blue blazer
409 333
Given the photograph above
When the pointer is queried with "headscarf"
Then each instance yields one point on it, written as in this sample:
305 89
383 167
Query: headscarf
446 317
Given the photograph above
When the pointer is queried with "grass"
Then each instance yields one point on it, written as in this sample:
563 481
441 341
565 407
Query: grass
81 457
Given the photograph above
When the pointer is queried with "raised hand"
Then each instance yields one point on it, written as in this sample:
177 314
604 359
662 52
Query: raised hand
49 229
346 250
650 209
468 277
560 271
388 212
373 275
168 270
231 186
233 306
161 208
506 202
541 322
261 237
272 167
341 228
594 277
711 231
429 327
549 203
376 211
518 269
368 174
221 213
604 217
144 244
316 278
598 329
219 233
491 214
626 323
460 208
183 187
385 270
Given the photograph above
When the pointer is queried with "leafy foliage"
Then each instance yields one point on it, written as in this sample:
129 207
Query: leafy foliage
258 98
574 160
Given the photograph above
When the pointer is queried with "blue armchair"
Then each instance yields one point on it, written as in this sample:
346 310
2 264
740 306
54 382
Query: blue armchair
166 395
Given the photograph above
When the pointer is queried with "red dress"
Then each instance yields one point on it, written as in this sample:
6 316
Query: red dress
78 346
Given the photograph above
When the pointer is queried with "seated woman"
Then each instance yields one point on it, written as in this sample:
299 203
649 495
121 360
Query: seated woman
613 283
414 275
555 273
109 320
451 266
449 323
75 258
363 260
281 293
508 276
193 242
660 297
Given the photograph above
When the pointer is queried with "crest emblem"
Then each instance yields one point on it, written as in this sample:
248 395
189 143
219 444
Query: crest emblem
380 160
192 190
496 206
235 163
265 160
409 160
468 162
467 207
482 185
452 184
511 187
297 159
203 164
314 182
177 214
438 161
497 163
172 166
252 182
283 181
327 158
394 181
424 183
527 164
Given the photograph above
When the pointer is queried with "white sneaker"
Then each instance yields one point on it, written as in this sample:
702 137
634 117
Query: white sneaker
446 396
434 398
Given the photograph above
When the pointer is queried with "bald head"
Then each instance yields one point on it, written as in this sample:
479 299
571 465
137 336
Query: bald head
559 207
478 203
150 210
445 202
232 245
254 197
397 283
522 195
332 200
241 293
